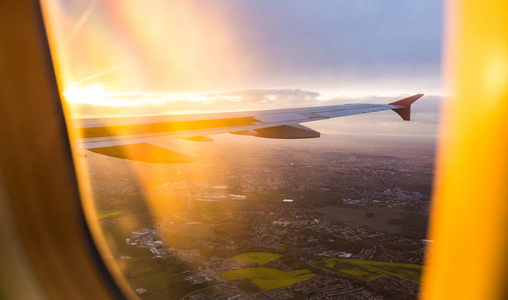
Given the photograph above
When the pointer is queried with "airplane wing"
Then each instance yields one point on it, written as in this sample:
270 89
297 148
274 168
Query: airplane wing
140 138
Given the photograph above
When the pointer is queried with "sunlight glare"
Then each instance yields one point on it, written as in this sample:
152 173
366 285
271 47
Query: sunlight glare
98 95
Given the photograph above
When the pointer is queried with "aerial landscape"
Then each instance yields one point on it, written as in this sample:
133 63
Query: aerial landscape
269 219
340 217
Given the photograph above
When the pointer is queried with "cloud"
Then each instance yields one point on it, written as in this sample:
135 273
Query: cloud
202 46
265 98
342 45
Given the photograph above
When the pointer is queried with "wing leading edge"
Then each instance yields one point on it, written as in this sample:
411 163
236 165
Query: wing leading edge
139 138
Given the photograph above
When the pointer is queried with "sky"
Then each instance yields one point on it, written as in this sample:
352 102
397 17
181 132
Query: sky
171 57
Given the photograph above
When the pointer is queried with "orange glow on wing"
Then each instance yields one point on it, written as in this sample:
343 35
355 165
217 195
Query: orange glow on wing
469 222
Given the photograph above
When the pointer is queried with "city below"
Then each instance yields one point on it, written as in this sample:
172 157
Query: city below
263 220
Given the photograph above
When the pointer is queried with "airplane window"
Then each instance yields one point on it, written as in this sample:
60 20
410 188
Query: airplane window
250 149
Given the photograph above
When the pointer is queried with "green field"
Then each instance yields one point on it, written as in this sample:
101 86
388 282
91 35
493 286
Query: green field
409 272
260 258
217 217
370 270
150 282
267 278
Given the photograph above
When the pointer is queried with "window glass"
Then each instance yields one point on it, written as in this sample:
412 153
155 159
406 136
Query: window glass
211 215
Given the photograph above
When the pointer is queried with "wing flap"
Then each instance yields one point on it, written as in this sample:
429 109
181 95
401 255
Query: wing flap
144 152
293 131
199 138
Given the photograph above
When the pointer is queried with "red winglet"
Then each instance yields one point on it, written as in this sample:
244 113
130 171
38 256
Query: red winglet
405 111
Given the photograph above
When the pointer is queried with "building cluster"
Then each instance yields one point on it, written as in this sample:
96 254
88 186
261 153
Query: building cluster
148 237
